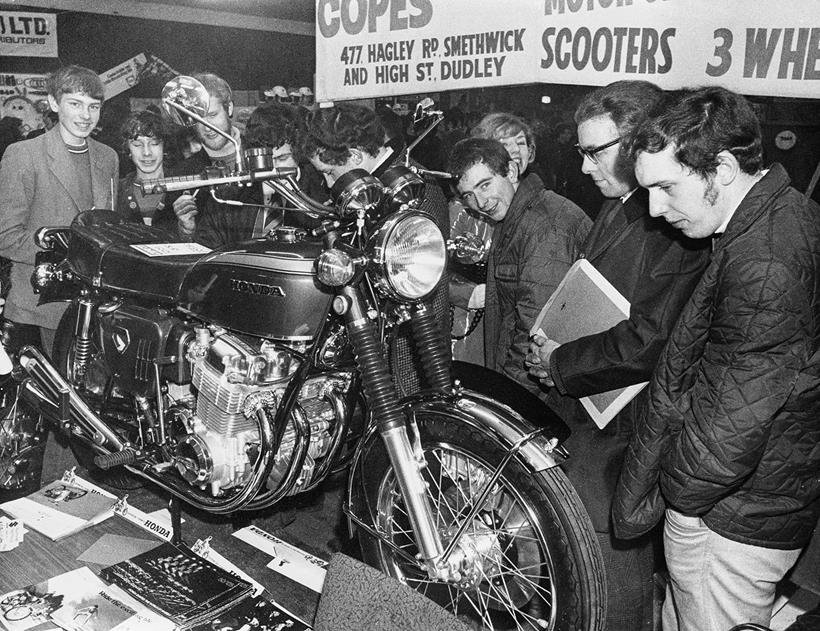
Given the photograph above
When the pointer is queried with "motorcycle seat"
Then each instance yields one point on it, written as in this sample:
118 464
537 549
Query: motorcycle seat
101 252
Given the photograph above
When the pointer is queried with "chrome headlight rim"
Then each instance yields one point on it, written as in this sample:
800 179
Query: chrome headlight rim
381 246
357 190
402 187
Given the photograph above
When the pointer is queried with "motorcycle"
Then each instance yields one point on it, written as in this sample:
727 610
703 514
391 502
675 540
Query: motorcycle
236 377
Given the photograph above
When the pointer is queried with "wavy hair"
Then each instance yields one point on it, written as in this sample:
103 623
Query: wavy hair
498 125
699 124
332 132
471 151
274 124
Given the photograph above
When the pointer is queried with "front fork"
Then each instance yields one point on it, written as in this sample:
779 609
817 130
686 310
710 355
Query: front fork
381 397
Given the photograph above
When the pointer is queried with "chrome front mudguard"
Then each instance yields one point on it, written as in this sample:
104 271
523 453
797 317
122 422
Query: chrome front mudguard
537 447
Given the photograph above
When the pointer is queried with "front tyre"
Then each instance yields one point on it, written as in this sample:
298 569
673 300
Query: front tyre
532 560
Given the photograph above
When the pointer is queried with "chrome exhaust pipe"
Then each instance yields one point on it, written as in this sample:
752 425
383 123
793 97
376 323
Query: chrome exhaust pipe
49 387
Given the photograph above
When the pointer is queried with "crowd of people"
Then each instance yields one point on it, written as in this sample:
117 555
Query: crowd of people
711 471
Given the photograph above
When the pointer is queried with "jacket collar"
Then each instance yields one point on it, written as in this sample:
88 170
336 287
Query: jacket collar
59 163
756 202
528 189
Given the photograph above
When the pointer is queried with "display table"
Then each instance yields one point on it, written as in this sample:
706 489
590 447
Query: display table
39 558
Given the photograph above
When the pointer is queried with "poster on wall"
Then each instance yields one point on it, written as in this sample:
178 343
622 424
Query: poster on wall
28 34
392 47
25 97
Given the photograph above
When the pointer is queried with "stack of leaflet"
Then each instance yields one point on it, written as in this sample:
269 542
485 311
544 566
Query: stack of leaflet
179 584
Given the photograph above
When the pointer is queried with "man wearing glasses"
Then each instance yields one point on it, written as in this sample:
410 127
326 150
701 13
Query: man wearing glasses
656 269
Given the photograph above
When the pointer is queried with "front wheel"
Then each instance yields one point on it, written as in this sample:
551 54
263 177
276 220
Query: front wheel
532 560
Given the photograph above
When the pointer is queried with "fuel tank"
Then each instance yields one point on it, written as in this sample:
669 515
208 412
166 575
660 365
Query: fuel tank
265 287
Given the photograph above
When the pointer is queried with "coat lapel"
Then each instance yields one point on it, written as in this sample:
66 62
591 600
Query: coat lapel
102 186
59 164
612 223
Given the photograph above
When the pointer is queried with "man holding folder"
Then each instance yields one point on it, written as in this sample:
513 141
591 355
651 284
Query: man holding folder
655 269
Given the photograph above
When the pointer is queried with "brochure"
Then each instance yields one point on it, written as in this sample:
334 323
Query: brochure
63 507
79 601
178 583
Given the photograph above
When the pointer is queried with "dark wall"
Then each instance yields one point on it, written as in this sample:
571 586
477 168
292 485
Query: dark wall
248 60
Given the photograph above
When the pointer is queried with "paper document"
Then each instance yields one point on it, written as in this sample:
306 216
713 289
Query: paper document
288 560
170 249
586 303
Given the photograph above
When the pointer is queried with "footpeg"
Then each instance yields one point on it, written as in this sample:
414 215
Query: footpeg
116 459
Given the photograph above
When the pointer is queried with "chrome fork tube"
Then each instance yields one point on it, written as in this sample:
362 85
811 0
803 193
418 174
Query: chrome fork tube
414 491
380 393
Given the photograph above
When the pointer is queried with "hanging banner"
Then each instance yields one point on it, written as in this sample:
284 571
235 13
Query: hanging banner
123 76
28 34
370 48
25 97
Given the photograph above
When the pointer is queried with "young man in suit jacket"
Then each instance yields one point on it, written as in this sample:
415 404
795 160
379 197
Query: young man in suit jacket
656 269
47 181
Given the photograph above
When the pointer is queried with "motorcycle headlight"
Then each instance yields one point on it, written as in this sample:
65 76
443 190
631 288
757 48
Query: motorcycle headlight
410 255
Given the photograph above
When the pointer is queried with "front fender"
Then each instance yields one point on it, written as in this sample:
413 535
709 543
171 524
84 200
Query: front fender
501 389
498 421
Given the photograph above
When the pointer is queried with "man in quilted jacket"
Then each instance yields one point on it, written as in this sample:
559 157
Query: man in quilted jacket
538 235
729 449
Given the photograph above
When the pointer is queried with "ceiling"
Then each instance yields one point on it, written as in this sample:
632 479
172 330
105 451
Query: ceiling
286 16
296 10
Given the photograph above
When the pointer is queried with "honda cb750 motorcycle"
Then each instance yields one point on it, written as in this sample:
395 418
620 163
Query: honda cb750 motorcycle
235 377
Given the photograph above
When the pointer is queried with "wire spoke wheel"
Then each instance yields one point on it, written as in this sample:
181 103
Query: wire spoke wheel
509 568
528 560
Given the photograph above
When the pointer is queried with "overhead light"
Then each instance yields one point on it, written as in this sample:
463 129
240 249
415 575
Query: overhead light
546 100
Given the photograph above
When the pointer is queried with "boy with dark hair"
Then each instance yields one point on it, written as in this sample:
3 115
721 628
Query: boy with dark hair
538 235
350 136
144 140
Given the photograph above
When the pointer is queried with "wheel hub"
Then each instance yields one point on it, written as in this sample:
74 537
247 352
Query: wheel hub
477 556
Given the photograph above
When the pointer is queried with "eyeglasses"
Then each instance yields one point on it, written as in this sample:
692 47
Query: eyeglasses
591 153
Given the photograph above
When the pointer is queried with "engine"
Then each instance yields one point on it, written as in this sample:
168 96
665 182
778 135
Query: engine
210 377
224 437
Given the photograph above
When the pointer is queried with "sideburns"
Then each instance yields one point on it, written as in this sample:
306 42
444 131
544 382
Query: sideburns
710 195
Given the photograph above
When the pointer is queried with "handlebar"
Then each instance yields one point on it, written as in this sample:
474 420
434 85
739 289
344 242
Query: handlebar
170 184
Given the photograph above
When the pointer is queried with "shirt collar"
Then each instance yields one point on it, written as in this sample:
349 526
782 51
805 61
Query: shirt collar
623 198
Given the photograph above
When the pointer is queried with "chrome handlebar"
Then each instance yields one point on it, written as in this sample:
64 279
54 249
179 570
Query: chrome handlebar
184 183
